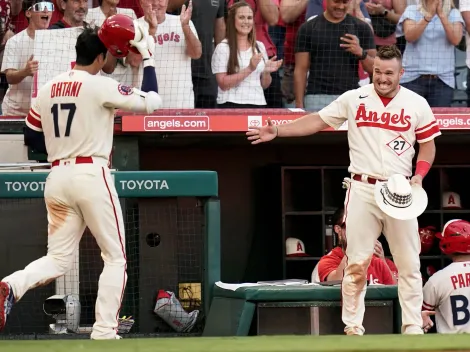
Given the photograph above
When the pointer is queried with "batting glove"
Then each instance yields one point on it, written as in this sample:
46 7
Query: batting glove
145 46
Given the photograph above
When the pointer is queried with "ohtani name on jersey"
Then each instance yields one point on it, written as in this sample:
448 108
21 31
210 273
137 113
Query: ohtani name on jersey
66 89
460 280
394 122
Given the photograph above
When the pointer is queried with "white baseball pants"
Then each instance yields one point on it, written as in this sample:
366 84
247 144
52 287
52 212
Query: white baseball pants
76 196
364 224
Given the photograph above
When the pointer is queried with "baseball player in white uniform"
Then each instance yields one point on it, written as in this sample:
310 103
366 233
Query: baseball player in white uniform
384 122
75 113
447 293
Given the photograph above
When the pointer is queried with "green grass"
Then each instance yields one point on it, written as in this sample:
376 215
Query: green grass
339 343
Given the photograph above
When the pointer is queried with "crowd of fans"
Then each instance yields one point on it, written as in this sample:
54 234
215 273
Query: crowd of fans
252 53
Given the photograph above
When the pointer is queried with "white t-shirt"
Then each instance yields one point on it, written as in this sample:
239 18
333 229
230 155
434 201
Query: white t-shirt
381 138
126 75
75 111
18 50
249 91
172 64
464 5
448 293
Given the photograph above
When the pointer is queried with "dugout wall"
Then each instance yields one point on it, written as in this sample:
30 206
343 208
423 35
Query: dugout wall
172 222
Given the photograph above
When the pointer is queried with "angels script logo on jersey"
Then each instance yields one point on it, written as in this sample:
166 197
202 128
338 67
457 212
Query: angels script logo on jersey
393 122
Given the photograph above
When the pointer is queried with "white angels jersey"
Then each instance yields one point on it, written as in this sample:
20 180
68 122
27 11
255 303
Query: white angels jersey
447 292
381 138
75 111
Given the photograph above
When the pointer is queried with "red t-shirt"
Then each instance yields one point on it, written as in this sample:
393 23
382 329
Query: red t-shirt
377 273
289 39
261 26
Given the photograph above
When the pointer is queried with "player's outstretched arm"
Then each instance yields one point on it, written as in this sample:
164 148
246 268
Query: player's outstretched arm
304 126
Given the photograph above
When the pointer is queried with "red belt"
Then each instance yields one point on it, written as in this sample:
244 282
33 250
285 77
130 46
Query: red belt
78 160
368 179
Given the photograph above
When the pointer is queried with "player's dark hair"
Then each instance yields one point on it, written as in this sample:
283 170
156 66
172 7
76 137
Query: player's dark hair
89 46
389 52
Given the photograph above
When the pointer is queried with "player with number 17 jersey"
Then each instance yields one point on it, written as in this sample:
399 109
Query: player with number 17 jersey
79 110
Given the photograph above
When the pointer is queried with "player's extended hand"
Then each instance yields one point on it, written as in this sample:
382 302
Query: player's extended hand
31 66
186 14
417 180
351 44
262 134
427 322
272 65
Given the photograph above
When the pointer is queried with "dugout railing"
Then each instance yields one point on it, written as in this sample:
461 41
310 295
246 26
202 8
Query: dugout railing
172 222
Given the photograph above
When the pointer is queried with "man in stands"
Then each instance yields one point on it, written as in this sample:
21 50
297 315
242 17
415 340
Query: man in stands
329 48
331 266
75 12
18 64
177 43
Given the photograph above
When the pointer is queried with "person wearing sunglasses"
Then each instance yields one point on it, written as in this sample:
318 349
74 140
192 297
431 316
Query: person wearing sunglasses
19 64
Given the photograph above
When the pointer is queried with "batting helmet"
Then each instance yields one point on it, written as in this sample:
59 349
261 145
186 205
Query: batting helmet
455 237
427 237
116 32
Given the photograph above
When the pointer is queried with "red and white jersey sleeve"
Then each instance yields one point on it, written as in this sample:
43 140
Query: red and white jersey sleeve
427 128
447 292
76 113
336 113
33 119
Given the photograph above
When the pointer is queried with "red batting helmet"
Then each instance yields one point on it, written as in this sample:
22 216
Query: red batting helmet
427 236
455 237
116 32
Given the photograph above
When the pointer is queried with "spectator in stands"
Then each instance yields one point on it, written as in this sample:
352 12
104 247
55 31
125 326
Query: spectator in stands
127 69
384 17
208 18
293 15
266 13
8 10
464 7
432 30
18 62
177 44
241 63
107 8
75 12
329 48
20 22
331 266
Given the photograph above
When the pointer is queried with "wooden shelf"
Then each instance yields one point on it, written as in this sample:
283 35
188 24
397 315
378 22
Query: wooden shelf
311 194
300 213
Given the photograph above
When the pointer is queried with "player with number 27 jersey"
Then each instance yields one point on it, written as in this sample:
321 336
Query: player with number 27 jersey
80 107
393 125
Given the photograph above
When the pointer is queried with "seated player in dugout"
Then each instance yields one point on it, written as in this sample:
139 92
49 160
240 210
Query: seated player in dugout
447 293
331 266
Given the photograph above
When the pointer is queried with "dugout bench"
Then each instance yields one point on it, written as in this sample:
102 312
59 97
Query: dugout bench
296 310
